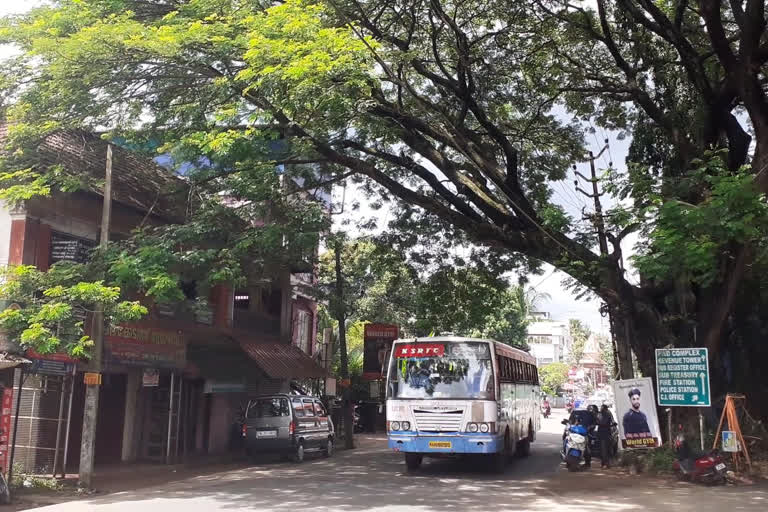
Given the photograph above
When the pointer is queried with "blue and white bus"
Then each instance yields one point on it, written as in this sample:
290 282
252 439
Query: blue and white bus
454 395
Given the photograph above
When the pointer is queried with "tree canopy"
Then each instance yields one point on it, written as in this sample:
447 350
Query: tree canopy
463 113
52 307
552 376
382 286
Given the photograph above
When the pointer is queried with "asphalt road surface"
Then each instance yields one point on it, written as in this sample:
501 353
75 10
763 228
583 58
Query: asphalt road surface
373 479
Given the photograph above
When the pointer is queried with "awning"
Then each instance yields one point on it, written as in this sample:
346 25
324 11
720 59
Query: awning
282 361
12 361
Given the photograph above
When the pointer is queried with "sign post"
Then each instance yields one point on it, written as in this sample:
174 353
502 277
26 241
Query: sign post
682 377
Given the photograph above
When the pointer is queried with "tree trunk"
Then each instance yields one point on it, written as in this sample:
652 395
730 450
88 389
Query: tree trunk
341 316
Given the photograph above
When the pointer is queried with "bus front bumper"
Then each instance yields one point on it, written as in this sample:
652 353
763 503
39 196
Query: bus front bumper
436 445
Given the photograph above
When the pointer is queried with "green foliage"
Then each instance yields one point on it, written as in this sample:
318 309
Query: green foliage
382 286
661 459
690 238
552 376
580 333
51 307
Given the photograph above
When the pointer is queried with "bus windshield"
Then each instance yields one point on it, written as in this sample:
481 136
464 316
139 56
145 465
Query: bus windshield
441 370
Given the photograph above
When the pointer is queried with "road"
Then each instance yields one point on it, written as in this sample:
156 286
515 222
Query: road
372 479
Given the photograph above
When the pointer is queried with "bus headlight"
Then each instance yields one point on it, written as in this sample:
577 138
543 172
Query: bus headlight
394 425
472 427
484 428
405 425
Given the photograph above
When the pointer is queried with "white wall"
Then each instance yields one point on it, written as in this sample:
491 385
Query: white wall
5 234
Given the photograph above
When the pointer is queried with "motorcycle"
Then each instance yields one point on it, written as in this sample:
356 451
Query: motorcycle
569 407
546 411
707 468
574 445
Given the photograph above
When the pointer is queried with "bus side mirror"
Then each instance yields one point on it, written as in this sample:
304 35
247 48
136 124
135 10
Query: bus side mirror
564 422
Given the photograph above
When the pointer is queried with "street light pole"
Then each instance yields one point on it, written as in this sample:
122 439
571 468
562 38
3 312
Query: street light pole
90 415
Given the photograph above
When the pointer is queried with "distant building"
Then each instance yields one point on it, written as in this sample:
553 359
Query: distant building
539 316
592 366
550 341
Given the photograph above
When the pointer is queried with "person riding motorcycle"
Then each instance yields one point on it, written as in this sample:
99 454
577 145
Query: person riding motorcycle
545 408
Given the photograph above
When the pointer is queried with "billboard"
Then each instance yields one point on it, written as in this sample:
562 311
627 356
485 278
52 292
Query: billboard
636 414
377 342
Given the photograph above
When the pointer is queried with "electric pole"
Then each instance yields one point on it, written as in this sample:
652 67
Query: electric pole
90 414
623 351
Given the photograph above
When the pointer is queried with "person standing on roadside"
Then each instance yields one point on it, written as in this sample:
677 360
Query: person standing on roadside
604 428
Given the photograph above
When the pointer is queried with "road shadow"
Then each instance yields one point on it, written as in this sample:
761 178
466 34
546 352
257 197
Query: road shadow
373 479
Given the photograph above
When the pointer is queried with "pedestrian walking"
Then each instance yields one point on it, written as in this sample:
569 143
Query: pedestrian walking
604 428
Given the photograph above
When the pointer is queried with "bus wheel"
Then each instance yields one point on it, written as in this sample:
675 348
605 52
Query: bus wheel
523 448
413 461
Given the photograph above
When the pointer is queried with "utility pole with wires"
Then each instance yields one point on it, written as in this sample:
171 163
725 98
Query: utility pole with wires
621 345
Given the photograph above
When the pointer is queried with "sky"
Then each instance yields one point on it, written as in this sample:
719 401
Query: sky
562 305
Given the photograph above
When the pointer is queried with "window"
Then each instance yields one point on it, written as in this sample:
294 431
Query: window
308 408
304 330
320 410
298 408
268 408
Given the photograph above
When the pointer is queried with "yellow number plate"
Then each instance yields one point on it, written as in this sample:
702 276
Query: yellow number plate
440 444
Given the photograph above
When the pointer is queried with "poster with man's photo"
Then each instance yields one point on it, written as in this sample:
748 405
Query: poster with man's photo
636 414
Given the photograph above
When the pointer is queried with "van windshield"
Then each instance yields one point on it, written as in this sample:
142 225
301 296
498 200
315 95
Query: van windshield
268 408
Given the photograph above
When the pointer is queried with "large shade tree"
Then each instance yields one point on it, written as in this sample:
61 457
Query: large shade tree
450 107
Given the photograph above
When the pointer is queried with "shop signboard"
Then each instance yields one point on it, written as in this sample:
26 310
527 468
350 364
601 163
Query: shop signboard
46 367
377 342
148 347
217 386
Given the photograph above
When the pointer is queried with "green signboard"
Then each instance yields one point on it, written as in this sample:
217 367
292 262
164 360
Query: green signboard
682 377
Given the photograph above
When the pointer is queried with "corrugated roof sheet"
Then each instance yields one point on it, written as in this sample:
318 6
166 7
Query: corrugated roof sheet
281 361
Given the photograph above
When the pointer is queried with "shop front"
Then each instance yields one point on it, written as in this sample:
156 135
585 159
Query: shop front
144 398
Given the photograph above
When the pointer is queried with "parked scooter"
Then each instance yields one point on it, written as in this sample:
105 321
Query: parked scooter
574 445
706 468
357 424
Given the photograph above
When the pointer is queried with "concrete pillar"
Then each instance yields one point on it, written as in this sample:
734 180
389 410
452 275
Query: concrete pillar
223 299
22 246
132 388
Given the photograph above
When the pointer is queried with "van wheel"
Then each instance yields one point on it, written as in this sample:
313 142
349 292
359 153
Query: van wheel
298 453
413 461
328 448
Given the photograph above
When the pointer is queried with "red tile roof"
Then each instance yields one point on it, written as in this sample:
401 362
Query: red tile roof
138 181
